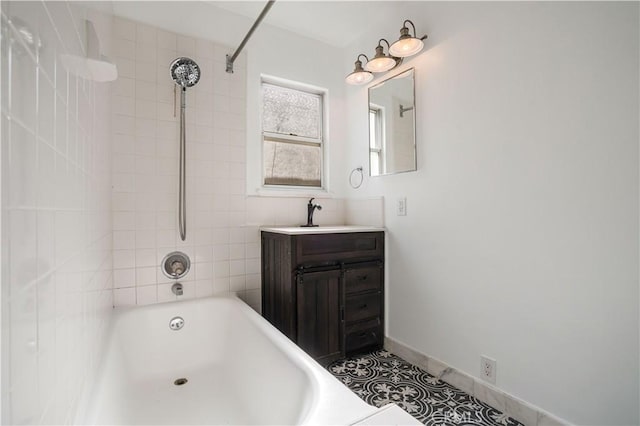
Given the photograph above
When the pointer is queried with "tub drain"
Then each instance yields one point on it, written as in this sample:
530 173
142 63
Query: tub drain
181 381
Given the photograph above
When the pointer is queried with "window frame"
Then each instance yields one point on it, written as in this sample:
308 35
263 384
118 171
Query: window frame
322 141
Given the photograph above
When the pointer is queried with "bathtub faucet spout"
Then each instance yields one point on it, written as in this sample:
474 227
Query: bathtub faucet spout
177 289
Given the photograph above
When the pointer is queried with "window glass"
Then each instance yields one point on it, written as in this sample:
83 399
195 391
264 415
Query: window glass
292 137
291 164
291 112
375 141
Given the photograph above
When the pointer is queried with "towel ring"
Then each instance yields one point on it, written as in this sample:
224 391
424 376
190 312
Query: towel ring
356 185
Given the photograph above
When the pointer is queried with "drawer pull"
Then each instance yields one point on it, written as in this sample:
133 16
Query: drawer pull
364 306
364 334
363 277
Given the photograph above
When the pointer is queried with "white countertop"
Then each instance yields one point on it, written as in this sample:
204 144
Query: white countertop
299 230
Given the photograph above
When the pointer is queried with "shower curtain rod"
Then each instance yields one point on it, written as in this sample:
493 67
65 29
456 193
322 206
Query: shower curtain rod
232 58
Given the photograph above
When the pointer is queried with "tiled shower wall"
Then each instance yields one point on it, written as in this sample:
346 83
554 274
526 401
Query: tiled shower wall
56 213
223 252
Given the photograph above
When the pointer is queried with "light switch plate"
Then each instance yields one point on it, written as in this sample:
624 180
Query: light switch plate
401 206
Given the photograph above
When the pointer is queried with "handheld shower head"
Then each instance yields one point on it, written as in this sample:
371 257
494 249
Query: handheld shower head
185 72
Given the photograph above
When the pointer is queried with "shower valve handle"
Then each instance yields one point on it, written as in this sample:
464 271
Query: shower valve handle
177 267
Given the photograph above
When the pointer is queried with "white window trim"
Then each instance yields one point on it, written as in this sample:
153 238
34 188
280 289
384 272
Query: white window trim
297 191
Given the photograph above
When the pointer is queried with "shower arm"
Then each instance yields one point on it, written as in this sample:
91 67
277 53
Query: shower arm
231 59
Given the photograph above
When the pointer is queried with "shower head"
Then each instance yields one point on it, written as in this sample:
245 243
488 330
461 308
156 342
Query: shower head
185 72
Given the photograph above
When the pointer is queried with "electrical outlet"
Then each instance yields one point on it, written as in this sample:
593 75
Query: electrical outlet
402 206
488 369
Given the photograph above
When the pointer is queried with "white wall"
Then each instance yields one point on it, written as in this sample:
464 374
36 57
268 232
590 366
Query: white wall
56 217
521 239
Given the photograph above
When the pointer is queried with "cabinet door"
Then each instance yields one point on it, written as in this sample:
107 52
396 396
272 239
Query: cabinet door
320 318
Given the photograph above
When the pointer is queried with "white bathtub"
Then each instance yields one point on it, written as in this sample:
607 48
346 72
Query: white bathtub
240 370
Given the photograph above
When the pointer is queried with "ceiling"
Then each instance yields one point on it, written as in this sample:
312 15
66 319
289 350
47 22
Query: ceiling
336 23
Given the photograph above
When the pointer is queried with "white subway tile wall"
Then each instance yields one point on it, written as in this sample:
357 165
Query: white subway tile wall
56 212
145 172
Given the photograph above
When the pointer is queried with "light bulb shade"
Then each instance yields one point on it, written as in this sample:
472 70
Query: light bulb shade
359 75
407 46
380 64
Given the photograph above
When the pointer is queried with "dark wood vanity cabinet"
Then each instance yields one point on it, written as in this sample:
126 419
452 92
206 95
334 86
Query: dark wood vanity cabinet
325 291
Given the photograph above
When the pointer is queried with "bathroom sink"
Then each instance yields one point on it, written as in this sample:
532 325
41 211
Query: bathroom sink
338 229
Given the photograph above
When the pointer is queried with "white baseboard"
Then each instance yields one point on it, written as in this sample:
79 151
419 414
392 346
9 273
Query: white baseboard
522 411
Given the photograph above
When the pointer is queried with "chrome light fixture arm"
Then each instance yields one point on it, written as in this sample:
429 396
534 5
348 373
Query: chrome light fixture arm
415 33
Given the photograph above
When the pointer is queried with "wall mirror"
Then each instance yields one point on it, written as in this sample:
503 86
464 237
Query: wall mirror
392 125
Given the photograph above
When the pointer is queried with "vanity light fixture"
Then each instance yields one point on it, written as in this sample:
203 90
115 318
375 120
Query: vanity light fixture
407 44
382 62
359 75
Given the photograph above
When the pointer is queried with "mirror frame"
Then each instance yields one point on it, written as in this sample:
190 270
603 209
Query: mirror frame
415 142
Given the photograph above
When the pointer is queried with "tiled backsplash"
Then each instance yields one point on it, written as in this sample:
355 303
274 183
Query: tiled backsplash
56 216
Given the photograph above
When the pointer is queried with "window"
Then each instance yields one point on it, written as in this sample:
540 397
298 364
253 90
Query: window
376 139
292 136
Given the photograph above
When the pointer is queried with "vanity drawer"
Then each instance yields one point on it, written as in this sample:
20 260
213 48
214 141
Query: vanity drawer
318 249
364 306
363 334
361 278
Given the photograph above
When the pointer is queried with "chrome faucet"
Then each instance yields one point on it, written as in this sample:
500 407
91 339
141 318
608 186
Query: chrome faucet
310 209
177 289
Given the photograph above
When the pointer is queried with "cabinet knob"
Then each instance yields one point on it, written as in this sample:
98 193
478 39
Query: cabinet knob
363 277
363 306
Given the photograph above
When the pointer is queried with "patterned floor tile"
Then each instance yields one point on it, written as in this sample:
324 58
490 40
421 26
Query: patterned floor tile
380 378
